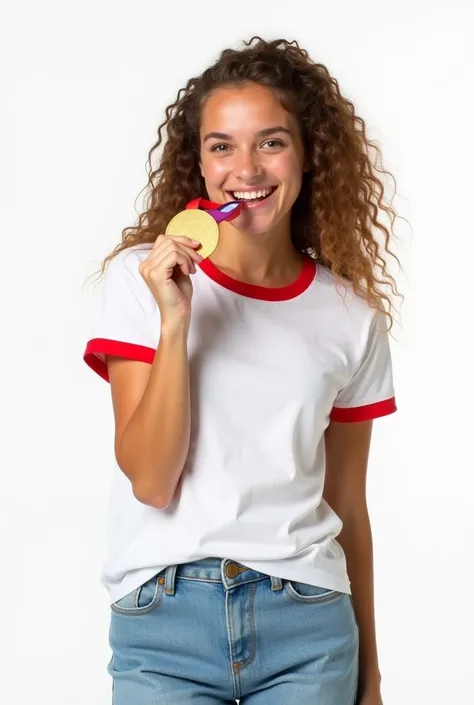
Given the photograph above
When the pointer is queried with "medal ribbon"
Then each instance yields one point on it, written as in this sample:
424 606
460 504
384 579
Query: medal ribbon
219 211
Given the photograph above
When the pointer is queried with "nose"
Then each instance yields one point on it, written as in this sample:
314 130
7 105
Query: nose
247 166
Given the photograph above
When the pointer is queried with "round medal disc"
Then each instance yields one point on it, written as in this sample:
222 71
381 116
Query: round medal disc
197 225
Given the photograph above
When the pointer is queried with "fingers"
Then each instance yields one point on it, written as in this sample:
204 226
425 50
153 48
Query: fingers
162 266
169 252
171 259
181 253
167 243
187 242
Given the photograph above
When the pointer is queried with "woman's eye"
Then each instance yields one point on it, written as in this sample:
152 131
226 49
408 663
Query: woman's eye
219 148
274 143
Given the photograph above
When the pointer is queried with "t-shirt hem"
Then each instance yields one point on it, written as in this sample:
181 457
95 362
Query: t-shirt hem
129 583
367 412
304 574
98 348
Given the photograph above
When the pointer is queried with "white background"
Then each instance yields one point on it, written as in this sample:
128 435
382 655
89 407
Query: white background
84 87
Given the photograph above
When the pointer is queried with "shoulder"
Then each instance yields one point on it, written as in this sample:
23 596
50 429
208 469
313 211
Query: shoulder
122 280
341 294
127 261
122 269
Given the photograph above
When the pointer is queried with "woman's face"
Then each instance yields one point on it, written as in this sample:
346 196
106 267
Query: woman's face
251 150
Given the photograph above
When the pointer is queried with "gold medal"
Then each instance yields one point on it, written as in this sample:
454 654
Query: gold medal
197 225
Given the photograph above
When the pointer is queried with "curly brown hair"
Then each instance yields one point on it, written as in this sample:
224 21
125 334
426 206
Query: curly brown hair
336 215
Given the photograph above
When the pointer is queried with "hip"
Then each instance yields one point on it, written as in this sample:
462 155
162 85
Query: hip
221 628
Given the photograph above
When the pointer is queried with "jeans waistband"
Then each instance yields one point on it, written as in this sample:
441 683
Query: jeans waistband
216 570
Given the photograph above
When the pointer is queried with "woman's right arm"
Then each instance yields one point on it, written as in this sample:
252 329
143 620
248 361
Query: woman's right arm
152 402
152 418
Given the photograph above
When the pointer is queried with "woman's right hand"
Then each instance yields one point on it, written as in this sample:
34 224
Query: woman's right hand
167 271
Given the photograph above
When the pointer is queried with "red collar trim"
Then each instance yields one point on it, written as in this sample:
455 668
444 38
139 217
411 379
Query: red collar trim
264 293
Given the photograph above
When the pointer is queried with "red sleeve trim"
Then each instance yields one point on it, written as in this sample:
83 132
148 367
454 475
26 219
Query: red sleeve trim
364 413
98 348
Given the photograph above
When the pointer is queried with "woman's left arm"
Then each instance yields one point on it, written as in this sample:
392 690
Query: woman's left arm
347 453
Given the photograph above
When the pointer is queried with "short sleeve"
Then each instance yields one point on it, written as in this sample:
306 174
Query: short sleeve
370 392
126 321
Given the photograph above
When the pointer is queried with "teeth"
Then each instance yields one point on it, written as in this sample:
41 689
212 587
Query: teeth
251 195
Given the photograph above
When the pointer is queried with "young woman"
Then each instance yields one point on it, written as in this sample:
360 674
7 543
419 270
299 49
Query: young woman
244 385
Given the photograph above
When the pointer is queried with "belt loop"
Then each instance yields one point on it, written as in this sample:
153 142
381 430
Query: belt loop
170 579
276 583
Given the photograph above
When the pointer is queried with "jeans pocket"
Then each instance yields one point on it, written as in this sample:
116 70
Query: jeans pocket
142 600
303 592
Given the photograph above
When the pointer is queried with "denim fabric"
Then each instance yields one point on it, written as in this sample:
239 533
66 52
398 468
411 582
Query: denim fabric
213 632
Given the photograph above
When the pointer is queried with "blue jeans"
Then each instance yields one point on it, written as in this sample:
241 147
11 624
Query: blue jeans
212 631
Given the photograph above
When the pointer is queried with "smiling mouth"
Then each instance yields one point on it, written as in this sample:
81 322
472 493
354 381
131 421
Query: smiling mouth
253 196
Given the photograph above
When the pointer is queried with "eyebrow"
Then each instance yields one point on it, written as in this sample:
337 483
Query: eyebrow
267 132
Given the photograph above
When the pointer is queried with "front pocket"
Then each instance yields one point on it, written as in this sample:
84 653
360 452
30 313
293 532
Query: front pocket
303 592
143 600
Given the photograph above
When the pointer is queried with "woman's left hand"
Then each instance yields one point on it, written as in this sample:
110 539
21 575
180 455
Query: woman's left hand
370 697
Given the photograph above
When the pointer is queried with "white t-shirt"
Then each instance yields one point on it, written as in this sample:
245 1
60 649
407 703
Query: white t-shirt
269 367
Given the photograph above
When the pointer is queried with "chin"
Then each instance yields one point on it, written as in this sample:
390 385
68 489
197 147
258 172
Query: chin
259 225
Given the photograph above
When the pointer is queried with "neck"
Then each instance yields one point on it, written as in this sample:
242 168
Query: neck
266 259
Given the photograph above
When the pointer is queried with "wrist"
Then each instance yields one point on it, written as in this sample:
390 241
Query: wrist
174 331
370 680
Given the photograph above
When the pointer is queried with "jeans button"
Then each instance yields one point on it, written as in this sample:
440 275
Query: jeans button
232 570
